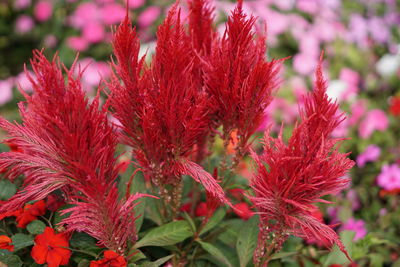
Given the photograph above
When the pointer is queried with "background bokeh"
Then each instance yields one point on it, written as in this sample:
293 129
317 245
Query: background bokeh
361 40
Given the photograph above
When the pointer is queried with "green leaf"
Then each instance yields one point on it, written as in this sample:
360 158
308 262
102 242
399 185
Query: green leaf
9 259
138 186
21 241
231 229
190 221
282 255
247 240
7 189
36 227
214 220
84 263
336 256
165 235
138 255
156 263
215 252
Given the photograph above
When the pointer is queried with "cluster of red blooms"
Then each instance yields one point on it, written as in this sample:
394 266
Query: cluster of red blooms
299 173
169 111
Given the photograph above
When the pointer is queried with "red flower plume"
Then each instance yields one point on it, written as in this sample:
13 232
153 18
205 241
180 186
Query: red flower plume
299 173
239 77
68 144
163 114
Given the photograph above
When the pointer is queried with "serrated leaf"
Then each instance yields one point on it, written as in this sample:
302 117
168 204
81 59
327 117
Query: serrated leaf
247 240
36 227
336 256
232 228
214 220
165 235
21 241
215 252
156 263
7 189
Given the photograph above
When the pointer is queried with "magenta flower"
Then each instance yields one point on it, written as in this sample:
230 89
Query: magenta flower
43 10
389 178
357 226
148 16
24 24
77 43
6 90
93 32
371 154
375 119
112 13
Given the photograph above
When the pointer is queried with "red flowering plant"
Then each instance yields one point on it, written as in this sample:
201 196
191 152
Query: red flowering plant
73 197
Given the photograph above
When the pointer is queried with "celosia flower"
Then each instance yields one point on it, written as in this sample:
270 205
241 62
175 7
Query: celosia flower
51 248
292 177
163 114
68 144
357 226
371 154
5 243
389 178
239 78
111 258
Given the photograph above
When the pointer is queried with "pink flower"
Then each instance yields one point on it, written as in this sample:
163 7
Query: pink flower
375 119
136 3
6 90
389 178
50 41
86 12
351 78
308 6
77 43
112 13
24 24
148 16
357 226
23 82
304 63
93 32
358 110
43 10
371 153
22 4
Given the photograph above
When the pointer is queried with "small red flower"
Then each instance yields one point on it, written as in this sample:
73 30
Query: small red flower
51 248
395 106
237 193
111 259
30 213
5 243
242 210
201 209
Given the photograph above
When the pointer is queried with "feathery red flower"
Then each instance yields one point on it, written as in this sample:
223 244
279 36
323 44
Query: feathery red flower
111 259
51 248
292 177
239 78
68 144
5 243
162 112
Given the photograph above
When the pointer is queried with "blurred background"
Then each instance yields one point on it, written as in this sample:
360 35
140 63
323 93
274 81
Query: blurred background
361 40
